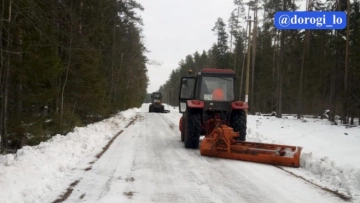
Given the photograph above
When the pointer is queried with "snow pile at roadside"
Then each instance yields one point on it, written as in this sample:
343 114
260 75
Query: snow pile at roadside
330 154
326 171
35 171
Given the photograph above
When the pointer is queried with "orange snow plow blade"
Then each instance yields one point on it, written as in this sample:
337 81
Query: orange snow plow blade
221 143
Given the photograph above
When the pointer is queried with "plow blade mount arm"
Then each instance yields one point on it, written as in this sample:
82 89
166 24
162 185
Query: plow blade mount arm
221 143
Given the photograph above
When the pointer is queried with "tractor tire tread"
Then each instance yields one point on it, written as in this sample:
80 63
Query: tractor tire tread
238 123
193 127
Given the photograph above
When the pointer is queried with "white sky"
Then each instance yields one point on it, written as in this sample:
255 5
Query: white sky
175 28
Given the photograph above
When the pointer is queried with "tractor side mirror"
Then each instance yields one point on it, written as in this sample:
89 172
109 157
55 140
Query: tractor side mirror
182 107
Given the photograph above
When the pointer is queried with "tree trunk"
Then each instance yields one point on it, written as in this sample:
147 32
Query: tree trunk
301 83
18 42
333 93
80 22
248 68
126 94
4 116
66 76
352 119
252 102
274 68
112 66
243 64
118 74
235 57
346 94
323 97
6 78
281 66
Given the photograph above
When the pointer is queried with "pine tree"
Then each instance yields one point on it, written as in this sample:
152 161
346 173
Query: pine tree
221 47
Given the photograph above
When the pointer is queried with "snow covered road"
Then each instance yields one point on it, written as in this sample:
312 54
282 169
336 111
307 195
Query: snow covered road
148 163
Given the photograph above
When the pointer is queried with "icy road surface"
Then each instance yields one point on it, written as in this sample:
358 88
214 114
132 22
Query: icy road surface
148 163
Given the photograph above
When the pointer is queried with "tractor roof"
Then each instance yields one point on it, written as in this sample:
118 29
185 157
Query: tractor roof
213 70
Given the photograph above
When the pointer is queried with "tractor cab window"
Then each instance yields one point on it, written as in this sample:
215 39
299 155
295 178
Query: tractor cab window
187 88
156 98
217 89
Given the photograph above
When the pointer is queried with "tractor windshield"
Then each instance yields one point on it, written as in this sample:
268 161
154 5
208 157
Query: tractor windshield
157 96
217 89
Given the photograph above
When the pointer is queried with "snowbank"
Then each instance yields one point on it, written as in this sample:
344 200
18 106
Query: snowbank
33 172
330 153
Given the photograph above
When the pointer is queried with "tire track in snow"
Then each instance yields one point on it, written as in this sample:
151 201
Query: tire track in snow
333 192
218 177
259 137
71 187
152 153
228 161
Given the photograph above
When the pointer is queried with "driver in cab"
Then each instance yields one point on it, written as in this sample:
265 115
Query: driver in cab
218 94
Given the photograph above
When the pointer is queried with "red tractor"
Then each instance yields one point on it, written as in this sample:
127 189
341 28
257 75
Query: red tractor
208 95
209 108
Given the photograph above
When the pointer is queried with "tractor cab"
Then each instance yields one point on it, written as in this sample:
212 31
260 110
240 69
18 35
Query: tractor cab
156 97
156 103
207 97
213 87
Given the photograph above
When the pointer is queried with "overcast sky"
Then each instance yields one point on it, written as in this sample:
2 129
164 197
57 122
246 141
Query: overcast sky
175 28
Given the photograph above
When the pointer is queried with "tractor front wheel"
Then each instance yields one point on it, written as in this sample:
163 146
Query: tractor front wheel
192 128
150 109
238 123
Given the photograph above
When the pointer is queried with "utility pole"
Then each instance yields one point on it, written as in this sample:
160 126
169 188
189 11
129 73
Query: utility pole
248 67
248 18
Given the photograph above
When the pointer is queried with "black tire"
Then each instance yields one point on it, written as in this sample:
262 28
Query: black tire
238 123
150 109
183 129
192 129
162 109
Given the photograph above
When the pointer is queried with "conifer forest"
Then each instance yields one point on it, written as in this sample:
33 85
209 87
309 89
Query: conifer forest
302 72
66 63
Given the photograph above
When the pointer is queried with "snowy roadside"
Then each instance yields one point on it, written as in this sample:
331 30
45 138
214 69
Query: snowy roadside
34 172
330 155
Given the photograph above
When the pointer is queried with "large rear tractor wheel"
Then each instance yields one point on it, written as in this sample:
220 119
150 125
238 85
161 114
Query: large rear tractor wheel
192 128
238 123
